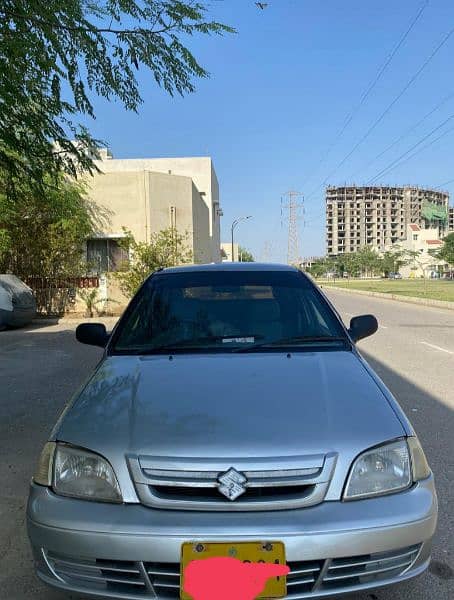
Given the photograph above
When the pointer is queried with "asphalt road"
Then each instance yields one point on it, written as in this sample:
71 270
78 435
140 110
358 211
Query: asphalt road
41 367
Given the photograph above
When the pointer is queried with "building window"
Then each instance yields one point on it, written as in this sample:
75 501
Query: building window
105 254
415 237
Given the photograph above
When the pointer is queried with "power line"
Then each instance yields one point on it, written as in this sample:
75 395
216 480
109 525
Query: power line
370 87
405 134
390 106
423 139
441 185
396 99
393 165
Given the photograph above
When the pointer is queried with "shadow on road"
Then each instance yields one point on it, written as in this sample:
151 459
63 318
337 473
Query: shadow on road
434 424
39 372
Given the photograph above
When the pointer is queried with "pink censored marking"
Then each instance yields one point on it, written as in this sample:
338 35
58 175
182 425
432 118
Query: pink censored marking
223 578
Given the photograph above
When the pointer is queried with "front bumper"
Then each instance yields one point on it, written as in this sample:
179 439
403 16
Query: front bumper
83 547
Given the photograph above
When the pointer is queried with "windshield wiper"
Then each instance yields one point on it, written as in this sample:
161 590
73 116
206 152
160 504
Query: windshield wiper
288 341
191 344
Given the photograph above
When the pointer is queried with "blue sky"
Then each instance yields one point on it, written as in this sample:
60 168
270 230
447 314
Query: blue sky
280 91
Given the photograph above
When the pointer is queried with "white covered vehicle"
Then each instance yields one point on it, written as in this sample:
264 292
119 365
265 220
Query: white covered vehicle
17 303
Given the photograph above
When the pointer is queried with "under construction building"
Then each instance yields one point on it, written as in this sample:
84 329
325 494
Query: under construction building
378 216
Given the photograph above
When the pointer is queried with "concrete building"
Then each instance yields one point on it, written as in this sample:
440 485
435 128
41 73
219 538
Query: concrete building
451 219
226 252
379 216
309 261
421 242
151 194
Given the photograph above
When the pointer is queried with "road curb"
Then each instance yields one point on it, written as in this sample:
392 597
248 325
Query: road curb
397 297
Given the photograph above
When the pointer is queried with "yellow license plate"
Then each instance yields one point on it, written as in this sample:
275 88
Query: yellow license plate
258 552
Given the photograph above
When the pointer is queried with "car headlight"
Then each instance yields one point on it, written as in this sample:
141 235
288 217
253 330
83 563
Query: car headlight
379 471
77 473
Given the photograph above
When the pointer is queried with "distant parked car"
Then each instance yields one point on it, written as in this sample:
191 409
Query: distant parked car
17 303
394 276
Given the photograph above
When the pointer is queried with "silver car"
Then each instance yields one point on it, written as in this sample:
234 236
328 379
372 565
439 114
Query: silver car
231 416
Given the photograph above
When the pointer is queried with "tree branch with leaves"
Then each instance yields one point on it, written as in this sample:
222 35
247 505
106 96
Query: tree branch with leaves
245 255
56 54
167 248
446 252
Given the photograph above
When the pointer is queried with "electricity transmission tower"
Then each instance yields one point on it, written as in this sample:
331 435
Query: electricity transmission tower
292 206
267 251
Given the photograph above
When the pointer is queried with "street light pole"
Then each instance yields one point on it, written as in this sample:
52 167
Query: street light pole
232 229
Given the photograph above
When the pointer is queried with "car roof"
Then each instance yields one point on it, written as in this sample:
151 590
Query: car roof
231 266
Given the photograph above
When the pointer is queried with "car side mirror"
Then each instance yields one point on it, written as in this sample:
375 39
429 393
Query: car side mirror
94 334
362 326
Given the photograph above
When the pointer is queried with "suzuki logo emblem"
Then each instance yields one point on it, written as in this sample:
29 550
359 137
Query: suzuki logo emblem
232 484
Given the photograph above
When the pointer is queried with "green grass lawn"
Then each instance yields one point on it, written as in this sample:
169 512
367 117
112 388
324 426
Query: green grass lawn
430 288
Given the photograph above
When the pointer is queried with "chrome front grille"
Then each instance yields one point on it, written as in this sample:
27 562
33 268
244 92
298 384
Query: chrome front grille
165 578
307 579
124 577
274 489
364 569
303 577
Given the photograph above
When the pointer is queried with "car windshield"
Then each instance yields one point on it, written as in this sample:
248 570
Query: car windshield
226 311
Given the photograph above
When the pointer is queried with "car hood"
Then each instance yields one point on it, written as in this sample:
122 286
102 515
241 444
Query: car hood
227 410
230 405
